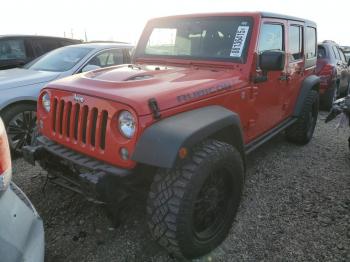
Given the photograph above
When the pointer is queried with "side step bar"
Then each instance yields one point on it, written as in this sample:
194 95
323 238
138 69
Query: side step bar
270 134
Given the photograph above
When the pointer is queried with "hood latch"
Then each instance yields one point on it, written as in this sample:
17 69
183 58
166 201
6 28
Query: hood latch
153 105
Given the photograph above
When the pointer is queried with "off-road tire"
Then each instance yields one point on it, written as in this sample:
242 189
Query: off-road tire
11 112
173 194
301 132
329 97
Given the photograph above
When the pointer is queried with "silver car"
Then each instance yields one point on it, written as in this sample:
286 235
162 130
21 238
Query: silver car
20 87
21 230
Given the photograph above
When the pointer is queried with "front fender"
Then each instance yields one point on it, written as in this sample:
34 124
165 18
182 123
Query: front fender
160 143
15 95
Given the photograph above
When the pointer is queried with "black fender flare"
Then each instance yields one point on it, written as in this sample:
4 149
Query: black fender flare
160 143
311 82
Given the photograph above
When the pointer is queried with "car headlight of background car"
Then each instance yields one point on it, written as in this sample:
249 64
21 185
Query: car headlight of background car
46 101
127 124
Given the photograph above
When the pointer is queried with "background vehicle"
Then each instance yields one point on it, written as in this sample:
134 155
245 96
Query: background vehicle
205 90
21 231
333 69
16 51
341 106
346 50
19 87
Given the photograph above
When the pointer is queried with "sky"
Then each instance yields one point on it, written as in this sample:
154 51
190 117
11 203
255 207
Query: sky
124 20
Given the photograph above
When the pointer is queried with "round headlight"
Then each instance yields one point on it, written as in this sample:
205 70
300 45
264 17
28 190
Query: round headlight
127 125
46 102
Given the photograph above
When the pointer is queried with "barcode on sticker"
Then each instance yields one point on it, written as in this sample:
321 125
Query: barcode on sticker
239 41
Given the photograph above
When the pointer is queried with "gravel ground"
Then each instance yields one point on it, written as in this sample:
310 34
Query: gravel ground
296 207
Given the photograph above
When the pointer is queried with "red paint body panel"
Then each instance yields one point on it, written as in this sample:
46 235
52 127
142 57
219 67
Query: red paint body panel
178 85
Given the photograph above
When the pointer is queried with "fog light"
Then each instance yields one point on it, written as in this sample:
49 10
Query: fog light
124 153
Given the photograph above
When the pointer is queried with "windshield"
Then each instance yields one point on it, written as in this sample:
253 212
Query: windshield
213 38
60 60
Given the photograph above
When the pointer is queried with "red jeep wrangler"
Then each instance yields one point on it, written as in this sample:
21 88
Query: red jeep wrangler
204 90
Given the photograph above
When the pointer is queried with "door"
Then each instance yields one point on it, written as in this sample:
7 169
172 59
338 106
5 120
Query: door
268 94
295 66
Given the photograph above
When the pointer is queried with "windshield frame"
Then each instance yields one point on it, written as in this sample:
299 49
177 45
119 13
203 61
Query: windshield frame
32 63
161 22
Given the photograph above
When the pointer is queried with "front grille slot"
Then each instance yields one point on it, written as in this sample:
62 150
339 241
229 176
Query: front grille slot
76 121
61 110
84 124
103 129
73 121
93 126
69 111
54 114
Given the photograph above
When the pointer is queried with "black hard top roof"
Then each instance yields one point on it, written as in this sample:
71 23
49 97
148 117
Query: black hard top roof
280 16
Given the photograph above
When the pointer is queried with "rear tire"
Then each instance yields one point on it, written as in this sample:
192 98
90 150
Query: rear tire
191 207
302 131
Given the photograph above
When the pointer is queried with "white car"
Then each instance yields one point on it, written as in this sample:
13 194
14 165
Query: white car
20 87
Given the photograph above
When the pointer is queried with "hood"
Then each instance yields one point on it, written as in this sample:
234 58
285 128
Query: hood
18 77
135 85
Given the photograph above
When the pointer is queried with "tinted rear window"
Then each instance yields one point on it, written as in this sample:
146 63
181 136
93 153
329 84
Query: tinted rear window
12 49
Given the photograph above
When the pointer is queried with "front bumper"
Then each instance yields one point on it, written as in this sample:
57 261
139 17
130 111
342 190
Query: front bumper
84 175
48 147
21 230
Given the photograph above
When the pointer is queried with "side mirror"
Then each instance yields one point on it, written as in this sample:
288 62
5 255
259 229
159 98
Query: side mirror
88 68
272 60
349 62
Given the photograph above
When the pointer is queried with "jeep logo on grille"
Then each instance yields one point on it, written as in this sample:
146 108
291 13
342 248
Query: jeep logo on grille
78 99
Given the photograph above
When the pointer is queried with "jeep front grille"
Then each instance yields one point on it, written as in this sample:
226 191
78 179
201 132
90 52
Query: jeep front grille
80 123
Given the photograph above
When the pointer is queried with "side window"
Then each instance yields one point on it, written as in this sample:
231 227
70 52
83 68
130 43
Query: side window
336 53
42 46
321 52
342 56
295 42
271 37
108 58
12 49
310 43
127 56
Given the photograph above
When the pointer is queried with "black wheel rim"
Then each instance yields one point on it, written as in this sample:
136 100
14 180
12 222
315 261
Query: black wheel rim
212 204
20 129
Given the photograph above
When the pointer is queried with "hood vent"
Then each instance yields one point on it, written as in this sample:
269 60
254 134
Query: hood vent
139 77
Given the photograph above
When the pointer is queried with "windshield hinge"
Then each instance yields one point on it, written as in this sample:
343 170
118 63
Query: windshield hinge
153 105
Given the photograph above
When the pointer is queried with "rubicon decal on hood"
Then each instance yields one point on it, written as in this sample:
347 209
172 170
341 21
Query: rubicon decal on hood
203 92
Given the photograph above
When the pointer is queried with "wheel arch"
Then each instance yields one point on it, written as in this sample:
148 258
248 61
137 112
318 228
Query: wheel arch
310 83
17 102
160 143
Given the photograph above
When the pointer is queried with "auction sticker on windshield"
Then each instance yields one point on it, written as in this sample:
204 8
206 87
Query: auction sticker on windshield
239 41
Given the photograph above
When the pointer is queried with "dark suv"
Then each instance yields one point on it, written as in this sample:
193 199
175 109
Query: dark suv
19 50
333 69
